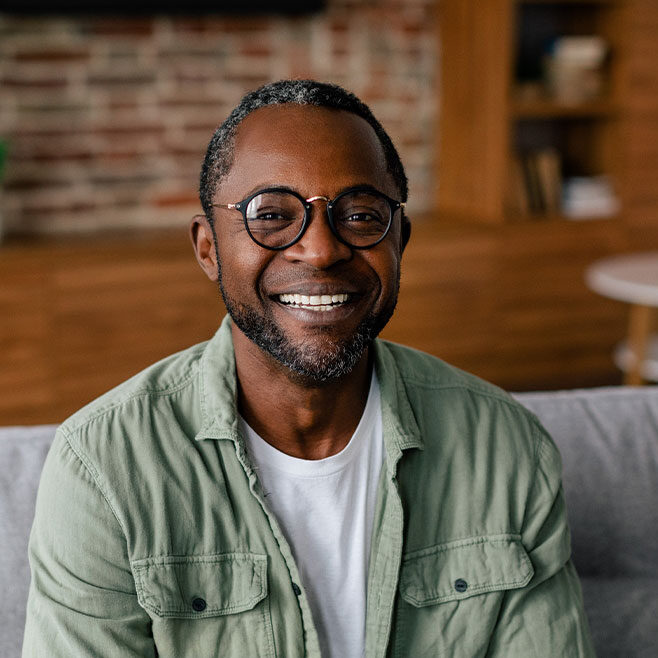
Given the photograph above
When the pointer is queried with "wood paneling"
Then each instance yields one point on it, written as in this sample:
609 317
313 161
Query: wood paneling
510 303
639 175
79 317
473 136
507 303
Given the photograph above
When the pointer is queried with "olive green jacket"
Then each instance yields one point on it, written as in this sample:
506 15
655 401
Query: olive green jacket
152 535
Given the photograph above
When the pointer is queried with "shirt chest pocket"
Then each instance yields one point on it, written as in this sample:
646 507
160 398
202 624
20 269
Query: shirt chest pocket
207 605
450 594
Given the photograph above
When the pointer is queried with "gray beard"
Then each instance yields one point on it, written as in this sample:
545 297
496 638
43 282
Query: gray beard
311 364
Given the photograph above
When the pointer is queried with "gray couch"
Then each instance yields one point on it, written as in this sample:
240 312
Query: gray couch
609 444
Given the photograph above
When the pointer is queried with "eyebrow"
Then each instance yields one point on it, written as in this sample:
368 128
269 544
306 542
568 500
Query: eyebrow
272 186
288 188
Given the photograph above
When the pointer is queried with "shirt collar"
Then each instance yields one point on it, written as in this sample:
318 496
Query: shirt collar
218 384
401 431
219 397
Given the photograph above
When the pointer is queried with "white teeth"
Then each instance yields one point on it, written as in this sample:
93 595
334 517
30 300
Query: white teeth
314 302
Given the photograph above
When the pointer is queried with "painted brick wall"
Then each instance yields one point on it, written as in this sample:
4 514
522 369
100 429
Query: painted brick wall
108 119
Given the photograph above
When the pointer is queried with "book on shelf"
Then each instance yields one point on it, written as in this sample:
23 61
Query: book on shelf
590 197
518 199
536 183
574 69
549 172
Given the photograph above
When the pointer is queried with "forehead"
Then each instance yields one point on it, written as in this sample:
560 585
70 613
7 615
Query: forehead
316 150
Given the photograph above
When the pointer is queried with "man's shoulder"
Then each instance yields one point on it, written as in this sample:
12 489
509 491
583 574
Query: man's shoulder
445 394
417 368
166 377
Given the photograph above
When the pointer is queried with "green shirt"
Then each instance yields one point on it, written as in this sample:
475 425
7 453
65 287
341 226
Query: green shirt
152 535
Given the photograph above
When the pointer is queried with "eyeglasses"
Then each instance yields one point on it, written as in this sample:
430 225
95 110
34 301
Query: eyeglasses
276 218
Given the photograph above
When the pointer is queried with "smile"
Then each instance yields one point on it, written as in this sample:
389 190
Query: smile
318 303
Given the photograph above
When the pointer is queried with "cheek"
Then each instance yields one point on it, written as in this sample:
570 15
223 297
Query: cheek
386 263
242 266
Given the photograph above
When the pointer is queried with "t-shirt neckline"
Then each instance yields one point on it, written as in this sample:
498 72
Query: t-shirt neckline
267 456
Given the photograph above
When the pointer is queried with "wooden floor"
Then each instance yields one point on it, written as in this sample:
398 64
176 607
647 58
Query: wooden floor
507 303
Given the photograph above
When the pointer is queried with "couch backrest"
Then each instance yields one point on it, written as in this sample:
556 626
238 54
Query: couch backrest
609 444
608 439
22 453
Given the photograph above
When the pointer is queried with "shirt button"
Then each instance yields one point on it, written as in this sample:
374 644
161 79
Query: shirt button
461 585
199 605
296 589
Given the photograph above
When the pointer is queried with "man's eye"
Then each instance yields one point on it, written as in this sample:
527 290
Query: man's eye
271 215
362 217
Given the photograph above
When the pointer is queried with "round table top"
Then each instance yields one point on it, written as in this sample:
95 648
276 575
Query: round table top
631 278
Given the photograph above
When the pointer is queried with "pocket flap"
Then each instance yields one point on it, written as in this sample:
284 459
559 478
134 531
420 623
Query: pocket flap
463 568
198 586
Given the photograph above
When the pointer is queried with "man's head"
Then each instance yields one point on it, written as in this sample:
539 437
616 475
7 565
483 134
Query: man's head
314 306
219 155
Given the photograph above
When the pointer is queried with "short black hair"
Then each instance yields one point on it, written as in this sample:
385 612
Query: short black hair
219 155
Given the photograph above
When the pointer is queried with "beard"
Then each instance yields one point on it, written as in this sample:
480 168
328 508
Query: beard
316 361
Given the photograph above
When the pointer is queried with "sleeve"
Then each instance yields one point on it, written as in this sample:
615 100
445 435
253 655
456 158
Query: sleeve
82 599
547 617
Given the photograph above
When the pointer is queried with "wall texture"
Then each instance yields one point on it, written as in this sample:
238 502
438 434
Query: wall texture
108 118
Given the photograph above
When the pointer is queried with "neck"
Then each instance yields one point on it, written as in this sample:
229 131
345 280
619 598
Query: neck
299 418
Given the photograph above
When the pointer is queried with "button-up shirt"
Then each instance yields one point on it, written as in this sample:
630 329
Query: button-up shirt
152 536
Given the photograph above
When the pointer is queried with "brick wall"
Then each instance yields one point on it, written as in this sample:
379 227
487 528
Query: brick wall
108 119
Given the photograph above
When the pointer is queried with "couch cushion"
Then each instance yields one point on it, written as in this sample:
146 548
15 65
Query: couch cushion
22 453
608 439
609 442
622 615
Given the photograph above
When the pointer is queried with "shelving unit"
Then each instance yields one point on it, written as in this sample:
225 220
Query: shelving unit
541 108
492 106
499 115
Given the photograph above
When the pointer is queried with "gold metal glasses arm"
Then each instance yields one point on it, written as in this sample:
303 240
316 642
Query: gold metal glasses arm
232 206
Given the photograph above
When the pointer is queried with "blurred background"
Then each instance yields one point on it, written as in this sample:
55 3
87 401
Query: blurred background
529 130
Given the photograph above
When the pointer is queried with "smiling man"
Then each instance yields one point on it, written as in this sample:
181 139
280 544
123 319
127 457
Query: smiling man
295 486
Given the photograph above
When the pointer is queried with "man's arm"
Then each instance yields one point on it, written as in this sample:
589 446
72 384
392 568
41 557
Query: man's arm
547 617
82 599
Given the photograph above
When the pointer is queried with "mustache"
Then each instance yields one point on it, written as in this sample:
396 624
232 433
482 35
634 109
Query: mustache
333 281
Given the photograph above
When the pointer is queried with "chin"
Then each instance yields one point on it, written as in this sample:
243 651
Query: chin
316 360
319 359
320 355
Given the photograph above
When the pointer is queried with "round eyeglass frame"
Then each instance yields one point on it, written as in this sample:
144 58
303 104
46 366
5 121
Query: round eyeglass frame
307 203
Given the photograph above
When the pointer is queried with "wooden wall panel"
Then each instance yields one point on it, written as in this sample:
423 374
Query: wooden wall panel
640 125
95 313
507 303
521 314
474 132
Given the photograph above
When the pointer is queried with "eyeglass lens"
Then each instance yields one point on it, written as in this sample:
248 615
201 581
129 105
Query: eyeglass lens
276 218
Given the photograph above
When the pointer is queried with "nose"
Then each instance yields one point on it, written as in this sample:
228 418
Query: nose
318 246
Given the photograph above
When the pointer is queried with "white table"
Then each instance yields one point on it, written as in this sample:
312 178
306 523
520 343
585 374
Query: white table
632 278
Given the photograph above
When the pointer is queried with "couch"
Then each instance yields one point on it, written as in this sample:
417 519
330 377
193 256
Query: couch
608 438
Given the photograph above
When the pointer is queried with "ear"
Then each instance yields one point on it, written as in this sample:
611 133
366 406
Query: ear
405 233
203 241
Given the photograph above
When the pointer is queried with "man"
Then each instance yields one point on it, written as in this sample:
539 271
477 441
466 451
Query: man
295 487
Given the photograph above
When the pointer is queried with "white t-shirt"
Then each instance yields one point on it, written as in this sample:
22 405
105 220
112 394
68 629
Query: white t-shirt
326 509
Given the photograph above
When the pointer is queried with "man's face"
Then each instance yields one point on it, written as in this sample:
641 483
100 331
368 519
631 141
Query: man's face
313 151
